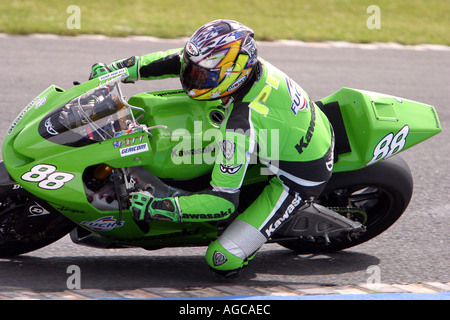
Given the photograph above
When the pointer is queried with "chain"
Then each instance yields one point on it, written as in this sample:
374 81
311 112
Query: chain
351 210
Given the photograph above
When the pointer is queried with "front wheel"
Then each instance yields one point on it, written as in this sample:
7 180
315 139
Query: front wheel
27 223
376 196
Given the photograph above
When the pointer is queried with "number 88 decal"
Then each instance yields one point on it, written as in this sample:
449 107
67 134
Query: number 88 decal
390 145
47 176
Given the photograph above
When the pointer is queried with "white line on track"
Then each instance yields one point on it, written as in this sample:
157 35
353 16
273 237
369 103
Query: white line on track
325 44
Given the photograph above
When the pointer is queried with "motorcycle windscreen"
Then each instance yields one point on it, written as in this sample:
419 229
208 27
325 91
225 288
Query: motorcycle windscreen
97 115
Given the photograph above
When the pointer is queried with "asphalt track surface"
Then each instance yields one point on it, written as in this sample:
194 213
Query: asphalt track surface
414 251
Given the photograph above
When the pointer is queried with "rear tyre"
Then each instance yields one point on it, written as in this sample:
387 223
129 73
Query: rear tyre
382 191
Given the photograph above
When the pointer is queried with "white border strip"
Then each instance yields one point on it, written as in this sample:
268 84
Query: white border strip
296 43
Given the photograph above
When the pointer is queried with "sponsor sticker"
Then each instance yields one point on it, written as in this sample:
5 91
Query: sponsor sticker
49 127
228 148
219 258
41 102
37 210
192 49
299 102
134 149
237 84
230 169
122 73
127 141
103 224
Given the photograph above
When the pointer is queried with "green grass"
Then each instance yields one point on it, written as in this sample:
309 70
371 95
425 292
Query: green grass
407 22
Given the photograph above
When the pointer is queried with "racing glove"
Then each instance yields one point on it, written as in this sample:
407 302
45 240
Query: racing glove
145 207
99 69
132 64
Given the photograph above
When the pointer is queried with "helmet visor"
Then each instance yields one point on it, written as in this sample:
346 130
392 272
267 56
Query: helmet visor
198 78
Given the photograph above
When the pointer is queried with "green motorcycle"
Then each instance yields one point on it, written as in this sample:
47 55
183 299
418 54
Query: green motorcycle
71 158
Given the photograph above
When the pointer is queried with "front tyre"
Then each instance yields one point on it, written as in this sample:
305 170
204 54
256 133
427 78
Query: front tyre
27 223
379 194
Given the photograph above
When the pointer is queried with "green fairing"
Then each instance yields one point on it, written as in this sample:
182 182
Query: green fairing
182 139
378 126
370 117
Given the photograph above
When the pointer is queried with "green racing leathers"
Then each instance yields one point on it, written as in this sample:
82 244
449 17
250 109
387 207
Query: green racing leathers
271 118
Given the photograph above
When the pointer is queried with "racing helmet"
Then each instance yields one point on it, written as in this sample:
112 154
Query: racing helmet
218 60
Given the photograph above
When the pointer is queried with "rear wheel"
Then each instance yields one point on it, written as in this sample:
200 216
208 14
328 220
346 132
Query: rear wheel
376 196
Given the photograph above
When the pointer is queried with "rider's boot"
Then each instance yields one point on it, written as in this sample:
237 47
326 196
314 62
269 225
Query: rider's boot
234 249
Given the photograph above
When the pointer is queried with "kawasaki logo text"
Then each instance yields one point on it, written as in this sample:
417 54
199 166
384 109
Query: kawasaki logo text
273 226
304 141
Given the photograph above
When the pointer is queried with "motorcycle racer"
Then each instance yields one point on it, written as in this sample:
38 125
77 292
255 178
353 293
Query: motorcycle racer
220 61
